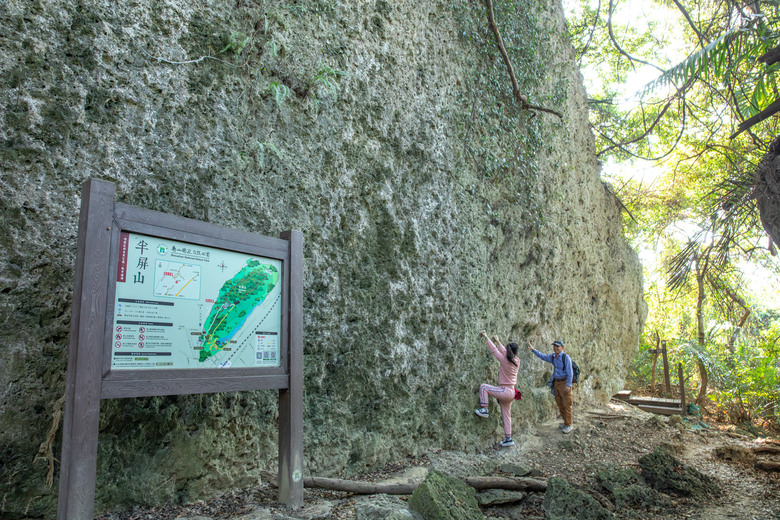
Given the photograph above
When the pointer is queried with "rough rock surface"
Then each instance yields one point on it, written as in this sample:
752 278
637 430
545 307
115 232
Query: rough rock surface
494 497
562 501
666 473
629 489
431 208
444 497
383 507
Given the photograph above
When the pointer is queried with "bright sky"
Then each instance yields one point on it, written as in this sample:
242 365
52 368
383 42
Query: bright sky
764 285
638 15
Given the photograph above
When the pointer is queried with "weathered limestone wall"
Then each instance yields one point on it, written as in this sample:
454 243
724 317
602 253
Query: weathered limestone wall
386 132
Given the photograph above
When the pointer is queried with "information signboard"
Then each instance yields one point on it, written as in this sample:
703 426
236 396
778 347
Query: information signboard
182 306
165 305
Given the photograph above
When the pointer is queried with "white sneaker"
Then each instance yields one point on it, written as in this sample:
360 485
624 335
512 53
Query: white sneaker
482 412
567 429
507 442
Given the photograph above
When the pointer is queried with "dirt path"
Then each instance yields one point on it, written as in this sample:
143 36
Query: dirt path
616 434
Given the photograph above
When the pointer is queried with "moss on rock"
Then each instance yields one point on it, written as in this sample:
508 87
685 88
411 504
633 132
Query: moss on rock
630 490
665 473
562 501
443 497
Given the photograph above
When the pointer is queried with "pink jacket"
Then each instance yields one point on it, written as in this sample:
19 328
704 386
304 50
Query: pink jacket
507 373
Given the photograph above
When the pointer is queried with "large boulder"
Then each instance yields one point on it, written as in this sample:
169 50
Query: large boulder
562 501
630 490
443 497
665 473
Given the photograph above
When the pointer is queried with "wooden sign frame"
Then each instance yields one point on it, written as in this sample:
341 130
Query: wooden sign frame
90 377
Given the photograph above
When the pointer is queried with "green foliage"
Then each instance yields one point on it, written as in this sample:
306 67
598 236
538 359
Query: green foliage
749 385
732 54
744 384
326 77
695 223
236 42
718 83
279 92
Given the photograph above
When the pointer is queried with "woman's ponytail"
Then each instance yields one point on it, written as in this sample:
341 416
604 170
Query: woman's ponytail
511 352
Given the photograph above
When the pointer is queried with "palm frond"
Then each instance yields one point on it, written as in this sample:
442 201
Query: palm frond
720 58
680 265
713 57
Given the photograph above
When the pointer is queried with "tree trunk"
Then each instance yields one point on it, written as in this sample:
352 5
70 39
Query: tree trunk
737 330
655 360
703 377
376 488
767 190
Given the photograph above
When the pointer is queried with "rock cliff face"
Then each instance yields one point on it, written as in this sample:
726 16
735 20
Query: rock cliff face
431 207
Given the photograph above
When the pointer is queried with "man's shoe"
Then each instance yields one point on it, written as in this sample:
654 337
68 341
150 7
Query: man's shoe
567 429
507 442
482 412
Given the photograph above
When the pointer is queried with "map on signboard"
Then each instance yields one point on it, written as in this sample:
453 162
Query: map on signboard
181 305
237 299
177 280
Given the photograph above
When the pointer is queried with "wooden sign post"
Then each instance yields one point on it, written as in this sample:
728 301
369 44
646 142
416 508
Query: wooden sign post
683 406
666 369
164 305
655 353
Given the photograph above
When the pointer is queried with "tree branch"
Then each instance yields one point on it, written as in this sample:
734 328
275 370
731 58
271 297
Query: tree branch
770 57
522 99
644 134
592 32
617 45
764 114
690 22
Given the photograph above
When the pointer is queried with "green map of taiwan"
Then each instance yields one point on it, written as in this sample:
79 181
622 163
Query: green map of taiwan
237 298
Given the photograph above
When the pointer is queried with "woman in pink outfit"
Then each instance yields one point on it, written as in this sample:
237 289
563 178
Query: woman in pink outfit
507 379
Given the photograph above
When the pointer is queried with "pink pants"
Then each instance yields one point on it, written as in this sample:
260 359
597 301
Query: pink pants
505 396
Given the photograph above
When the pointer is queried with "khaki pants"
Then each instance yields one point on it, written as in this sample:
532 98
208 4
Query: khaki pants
564 401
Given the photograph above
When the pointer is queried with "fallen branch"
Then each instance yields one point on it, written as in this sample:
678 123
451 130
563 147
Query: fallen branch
608 416
359 488
512 484
377 488
768 466
766 449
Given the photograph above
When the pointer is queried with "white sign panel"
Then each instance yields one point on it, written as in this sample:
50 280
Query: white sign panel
183 306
